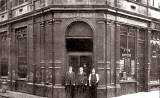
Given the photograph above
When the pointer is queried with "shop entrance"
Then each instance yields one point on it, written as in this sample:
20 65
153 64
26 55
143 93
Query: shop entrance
77 60
79 46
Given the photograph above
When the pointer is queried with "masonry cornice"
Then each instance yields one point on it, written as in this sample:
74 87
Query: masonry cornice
87 9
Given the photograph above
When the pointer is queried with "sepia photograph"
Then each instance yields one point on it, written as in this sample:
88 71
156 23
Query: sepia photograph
79 48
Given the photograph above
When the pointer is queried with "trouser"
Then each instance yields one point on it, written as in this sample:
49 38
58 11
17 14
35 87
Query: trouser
69 91
93 91
80 91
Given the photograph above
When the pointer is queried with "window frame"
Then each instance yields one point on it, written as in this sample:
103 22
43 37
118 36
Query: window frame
155 56
17 2
21 35
126 59
3 50
3 6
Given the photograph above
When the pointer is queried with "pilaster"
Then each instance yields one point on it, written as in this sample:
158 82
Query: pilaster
148 60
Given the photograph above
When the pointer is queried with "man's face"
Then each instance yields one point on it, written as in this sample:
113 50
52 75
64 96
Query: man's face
93 71
70 68
81 69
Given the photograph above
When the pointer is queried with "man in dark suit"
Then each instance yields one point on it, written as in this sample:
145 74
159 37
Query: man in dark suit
70 83
81 84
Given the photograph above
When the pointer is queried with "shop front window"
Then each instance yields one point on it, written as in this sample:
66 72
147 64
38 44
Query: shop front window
21 43
155 57
127 52
3 54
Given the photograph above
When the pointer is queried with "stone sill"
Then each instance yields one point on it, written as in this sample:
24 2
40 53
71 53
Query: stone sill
4 77
154 83
4 12
127 81
61 86
22 79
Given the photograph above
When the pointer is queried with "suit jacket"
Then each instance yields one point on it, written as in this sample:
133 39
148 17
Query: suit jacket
81 79
70 78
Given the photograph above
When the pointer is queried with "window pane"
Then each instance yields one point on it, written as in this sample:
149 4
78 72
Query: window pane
79 45
15 2
151 2
4 67
87 60
21 1
127 67
155 62
21 41
157 3
132 31
141 49
124 29
131 47
123 46
74 62
141 34
2 5
22 67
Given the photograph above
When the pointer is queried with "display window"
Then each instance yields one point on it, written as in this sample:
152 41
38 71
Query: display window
127 52
155 57
4 54
21 45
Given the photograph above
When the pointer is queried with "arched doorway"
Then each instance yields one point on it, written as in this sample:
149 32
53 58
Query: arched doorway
79 46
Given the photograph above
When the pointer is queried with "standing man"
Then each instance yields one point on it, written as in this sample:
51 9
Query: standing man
70 83
81 83
93 83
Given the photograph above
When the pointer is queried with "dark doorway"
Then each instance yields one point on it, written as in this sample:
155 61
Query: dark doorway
79 46
77 60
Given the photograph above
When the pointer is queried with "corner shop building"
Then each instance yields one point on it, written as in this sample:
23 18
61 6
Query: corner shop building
38 48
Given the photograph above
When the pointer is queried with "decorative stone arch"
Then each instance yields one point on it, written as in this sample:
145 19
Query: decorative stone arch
69 23
79 29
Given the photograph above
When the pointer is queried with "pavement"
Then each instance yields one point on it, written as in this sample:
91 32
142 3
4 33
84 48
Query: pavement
152 94
11 94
